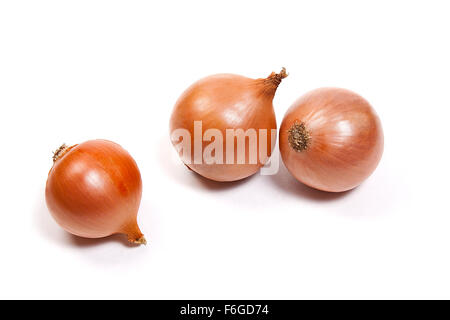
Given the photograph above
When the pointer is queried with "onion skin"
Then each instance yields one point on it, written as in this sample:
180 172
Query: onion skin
94 190
344 139
228 101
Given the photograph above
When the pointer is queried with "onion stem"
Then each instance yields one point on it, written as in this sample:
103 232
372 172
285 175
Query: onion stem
140 241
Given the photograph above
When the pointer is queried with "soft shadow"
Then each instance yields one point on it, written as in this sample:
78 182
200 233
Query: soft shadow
45 223
373 198
216 185
286 182
177 170
85 242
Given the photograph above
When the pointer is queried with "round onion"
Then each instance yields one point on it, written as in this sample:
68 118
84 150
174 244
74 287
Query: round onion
223 102
94 190
331 139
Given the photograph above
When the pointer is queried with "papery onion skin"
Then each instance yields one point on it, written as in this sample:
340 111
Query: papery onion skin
94 190
228 101
343 139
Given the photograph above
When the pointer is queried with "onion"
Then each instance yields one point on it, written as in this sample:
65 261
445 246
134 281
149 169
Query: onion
221 104
94 190
331 139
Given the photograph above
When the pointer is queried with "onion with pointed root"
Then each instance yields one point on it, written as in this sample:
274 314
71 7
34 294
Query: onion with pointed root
219 104
94 190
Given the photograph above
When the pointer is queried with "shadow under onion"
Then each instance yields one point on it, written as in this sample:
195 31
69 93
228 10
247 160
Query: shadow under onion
285 181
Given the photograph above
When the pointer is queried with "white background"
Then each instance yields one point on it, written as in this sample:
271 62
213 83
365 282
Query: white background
71 71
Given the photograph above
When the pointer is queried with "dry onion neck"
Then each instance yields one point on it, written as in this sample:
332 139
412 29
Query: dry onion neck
276 78
134 234
299 137
139 241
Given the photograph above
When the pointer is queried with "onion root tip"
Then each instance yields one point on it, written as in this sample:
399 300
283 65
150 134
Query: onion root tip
299 137
58 153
